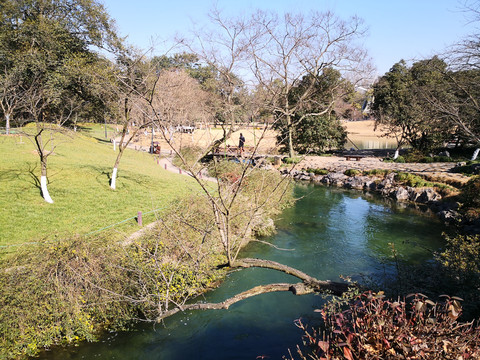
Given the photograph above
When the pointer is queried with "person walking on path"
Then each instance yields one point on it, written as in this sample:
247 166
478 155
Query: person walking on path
241 144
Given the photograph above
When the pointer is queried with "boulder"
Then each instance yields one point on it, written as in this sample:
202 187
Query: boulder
414 194
449 216
337 179
428 195
400 194
388 182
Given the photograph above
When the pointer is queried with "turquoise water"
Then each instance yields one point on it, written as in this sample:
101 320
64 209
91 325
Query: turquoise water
329 232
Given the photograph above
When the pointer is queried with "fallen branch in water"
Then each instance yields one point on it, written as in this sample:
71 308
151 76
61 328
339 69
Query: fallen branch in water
308 285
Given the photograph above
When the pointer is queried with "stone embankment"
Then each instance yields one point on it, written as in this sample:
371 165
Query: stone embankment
437 171
445 209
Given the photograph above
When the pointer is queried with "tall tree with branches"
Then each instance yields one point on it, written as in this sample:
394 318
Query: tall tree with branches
47 47
292 48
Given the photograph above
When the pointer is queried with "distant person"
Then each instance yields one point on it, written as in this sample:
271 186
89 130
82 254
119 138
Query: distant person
241 144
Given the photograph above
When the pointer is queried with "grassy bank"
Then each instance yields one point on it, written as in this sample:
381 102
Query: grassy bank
90 281
79 171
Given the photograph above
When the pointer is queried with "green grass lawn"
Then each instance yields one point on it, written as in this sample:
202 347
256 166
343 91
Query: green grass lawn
78 174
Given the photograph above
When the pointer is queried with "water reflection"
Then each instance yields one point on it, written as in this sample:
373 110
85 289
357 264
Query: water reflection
371 144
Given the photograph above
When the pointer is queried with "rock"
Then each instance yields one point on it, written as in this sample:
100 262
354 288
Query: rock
337 179
444 153
428 195
449 216
413 194
372 185
359 182
400 194
387 192
388 182
354 182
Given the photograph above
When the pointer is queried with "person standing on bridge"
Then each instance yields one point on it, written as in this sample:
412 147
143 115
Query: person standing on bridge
241 144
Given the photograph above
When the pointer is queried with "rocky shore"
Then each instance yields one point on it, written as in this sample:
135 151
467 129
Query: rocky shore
447 210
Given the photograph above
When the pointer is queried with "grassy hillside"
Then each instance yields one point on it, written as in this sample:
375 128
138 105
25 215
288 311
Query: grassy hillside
79 173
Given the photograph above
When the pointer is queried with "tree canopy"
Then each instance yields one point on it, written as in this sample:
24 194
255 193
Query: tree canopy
428 104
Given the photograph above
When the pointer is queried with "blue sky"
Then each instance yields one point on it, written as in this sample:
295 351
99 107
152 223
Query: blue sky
408 29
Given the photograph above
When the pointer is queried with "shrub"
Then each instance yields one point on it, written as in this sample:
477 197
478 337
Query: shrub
376 172
442 159
471 192
225 169
190 154
462 254
318 171
414 156
375 328
400 159
352 172
290 161
411 180
54 296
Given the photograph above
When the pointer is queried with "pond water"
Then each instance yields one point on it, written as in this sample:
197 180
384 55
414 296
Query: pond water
364 144
330 232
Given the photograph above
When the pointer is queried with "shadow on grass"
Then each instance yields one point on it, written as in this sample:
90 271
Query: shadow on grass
104 176
16 175
35 181
107 141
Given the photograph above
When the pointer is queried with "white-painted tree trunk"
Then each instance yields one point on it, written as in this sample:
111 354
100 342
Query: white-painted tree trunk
7 124
397 153
114 178
114 145
475 154
43 185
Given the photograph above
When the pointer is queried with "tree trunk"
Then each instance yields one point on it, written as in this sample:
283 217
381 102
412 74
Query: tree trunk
115 166
114 178
43 182
43 164
397 153
7 124
291 152
475 154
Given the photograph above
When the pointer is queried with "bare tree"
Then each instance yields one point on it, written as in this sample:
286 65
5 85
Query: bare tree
224 49
133 82
292 48
179 101
38 98
10 96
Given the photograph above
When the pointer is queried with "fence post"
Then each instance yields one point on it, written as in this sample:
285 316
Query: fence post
139 219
